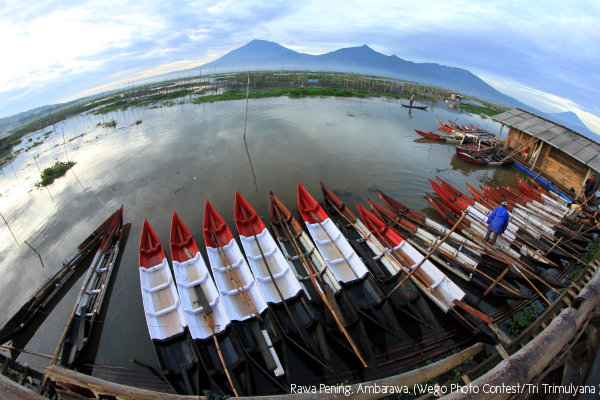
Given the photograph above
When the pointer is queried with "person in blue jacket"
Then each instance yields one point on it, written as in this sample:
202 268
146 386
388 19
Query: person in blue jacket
497 222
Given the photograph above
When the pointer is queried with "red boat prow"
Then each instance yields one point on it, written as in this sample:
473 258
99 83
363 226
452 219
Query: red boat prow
455 191
310 210
452 201
282 221
215 228
247 220
382 213
398 207
335 202
181 238
116 223
431 136
386 235
151 251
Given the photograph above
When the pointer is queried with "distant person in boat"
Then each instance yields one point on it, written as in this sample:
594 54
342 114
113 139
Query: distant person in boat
412 98
497 222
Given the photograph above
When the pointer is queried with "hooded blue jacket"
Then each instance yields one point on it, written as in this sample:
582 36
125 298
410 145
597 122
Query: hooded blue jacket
498 220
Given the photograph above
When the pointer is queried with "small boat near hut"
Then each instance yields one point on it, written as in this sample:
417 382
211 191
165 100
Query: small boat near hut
448 138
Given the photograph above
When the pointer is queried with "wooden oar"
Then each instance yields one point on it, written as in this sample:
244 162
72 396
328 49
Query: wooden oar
232 275
283 300
433 250
449 255
320 291
423 224
210 321
515 264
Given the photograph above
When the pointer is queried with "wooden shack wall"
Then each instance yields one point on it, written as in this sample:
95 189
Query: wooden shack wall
563 169
553 163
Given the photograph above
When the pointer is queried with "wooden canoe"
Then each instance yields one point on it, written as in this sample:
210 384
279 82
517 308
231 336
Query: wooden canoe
432 136
362 288
296 316
434 283
333 246
175 351
318 280
241 294
93 290
40 299
205 313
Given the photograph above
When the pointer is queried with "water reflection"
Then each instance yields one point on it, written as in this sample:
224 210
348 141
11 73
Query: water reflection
180 156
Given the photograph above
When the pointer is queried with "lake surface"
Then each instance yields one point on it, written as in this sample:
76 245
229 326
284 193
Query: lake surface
181 155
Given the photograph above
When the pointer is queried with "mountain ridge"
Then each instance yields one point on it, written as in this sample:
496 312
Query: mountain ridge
363 59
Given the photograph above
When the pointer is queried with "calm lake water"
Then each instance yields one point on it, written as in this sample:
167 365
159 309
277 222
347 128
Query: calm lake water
179 156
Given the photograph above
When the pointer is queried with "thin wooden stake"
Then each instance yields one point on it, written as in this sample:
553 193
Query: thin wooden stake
322 294
36 252
433 250
10 230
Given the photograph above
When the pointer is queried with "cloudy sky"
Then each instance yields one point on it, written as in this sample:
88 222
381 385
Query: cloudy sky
544 53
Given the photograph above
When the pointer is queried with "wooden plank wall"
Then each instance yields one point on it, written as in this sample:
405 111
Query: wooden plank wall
551 162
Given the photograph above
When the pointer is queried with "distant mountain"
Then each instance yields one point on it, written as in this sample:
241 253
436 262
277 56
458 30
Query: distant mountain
262 54
13 121
571 120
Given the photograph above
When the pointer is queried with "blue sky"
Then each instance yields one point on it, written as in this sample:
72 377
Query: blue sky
544 53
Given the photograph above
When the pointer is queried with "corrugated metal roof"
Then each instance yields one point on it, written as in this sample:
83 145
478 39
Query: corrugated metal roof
572 143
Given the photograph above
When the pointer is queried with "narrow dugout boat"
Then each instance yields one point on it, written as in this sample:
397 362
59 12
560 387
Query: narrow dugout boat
477 214
206 316
362 288
428 224
91 296
36 307
465 265
438 287
277 281
489 160
174 348
417 107
477 232
380 263
318 280
524 228
254 326
448 138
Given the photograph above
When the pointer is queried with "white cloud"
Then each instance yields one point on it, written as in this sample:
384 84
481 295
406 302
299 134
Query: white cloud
544 101
102 42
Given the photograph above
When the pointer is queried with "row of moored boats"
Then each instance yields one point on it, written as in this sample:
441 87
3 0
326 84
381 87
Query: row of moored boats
308 294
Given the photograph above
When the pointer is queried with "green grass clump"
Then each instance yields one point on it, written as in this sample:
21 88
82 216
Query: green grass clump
294 93
139 121
56 171
593 252
479 110
110 124
518 324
